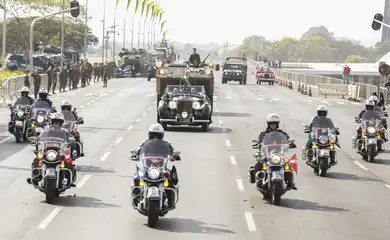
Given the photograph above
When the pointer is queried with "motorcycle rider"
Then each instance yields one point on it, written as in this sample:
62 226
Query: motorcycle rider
23 93
43 96
156 136
379 109
57 119
322 113
66 105
370 106
273 121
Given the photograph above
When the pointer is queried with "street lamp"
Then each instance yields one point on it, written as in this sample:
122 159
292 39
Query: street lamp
4 43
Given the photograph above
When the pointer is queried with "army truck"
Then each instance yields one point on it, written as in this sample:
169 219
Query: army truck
172 75
134 61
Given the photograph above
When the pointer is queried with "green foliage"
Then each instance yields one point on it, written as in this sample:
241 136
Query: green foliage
315 45
48 31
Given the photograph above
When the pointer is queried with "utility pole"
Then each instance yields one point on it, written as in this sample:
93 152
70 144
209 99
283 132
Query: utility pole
104 28
106 39
4 43
62 35
132 35
124 33
86 34
113 44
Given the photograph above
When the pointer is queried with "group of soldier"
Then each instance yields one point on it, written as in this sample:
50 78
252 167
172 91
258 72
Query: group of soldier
71 75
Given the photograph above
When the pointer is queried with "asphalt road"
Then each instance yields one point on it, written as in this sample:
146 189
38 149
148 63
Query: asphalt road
216 200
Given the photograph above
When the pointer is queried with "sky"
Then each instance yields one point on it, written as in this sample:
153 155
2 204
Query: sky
205 21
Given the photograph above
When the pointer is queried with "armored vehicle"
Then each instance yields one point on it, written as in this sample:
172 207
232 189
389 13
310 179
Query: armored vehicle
133 61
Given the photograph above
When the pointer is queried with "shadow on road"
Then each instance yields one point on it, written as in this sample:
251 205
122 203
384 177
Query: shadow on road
350 176
181 225
381 161
300 204
81 201
93 169
196 129
10 148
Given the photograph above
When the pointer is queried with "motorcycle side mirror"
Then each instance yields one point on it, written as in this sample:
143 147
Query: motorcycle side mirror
33 143
255 146
9 105
386 115
176 157
307 130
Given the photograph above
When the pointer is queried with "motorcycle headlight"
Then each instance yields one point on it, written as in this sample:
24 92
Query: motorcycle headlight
323 139
172 104
51 155
371 130
275 159
40 119
196 105
154 173
20 113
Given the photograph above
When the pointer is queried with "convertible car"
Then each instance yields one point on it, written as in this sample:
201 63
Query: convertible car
184 105
267 77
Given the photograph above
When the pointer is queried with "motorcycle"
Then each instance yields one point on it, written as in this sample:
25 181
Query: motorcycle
323 137
151 190
278 170
20 119
54 171
371 142
40 112
71 124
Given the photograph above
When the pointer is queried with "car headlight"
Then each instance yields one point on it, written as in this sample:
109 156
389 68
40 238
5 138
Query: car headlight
184 114
154 173
20 113
162 71
40 119
51 155
208 72
172 104
275 159
196 105
225 73
371 130
323 139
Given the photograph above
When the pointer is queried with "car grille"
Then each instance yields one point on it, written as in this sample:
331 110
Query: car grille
184 106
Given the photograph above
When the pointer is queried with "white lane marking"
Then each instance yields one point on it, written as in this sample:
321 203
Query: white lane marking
283 111
216 110
5 139
275 99
143 114
220 123
93 100
50 217
227 143
87 103
215 98
151 94
261 95
229 97
103 94
129 128
308 100
138 120
294 118
87 94
111 90
360 165
326 102
83 181
271 101
119 140
240 185
97 98
387 185
250 222
259 98
356 103
233 160
341 103
303 124
149 108
105 156
82 106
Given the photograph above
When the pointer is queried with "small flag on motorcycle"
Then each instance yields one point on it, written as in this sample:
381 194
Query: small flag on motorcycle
294 163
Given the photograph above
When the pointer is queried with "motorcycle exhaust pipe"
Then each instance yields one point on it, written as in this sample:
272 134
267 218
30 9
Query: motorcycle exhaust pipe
30 131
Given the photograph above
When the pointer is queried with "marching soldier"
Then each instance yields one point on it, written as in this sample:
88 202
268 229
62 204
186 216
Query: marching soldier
63 78
36 82
57 69
83 73
105 75
49 77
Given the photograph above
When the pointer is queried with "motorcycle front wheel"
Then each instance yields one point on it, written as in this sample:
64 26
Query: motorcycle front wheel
50 190
276 193
153 212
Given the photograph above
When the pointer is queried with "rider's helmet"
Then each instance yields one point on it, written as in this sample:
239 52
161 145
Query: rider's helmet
43 93
322 111
156 130
24 91
370 104
374 98
66 105
273 121
57 119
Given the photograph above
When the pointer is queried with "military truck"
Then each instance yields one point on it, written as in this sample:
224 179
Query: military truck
172 74
134 61
168 51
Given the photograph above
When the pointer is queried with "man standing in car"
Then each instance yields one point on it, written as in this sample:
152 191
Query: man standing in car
194 58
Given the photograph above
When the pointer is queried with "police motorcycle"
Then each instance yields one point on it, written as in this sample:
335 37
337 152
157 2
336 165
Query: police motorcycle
372 133
71 124
40 112
152 190
53 171
20 118
278 168
322 155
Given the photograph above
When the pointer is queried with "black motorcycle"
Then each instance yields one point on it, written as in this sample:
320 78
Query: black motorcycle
20 119
54 171
152 194
71 124
40 113
152 71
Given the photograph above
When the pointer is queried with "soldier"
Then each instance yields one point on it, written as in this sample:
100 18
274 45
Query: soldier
63 78
49 76
95 72
101 69
27 80
37 83
83 76
71 77
105 75
89 73
57 69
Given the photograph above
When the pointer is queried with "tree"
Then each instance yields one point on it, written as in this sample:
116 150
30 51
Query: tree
354 59
382 48
49 32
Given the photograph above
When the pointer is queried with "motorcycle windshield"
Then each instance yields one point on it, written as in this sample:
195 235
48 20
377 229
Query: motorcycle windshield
379 111
70 120
322 122
370 118
44 146
155 154
274 143
40 108
22 102
53 134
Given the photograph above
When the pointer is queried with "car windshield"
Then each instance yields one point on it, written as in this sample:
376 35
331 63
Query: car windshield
274 143
180 90
22 101
155 153
40 108
233 66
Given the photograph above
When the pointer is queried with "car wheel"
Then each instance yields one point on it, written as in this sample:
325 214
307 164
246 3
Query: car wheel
205 127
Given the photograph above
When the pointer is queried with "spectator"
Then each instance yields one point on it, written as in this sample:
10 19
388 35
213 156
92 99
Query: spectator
346 74
387 85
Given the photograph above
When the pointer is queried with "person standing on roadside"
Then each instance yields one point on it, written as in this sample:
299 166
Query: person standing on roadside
37 83
49 72
346 74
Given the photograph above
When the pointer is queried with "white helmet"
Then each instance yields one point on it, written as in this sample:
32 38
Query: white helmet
374 98
273 118
370 104
322 111
66 105
156 130
24 90
57 118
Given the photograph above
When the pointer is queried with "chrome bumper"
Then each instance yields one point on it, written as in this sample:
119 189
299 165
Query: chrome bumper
177 120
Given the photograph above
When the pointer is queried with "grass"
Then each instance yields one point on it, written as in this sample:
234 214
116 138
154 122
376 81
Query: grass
8 74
